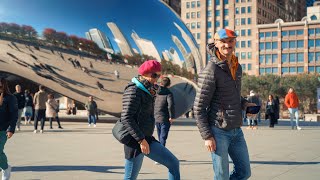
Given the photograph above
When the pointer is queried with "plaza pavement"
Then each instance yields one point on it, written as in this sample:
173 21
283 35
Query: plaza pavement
82 152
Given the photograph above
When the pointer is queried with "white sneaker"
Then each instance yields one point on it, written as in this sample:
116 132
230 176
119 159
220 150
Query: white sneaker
89 125
156 163
94 125
41 131
6 173
35 131
299 128
18 129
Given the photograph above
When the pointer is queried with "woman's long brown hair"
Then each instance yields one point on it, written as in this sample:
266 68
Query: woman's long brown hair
5 89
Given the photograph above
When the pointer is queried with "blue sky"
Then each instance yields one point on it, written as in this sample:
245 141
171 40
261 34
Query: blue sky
150 19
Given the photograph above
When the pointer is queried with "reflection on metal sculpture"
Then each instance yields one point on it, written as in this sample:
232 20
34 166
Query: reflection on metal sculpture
70 46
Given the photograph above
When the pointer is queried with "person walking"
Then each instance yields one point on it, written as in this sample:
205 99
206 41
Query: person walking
253 119
57 114
277 110
51 109
8 120
218 108
21 103
92 108
27 111
39 101
138 117
270 111
164 110
292 103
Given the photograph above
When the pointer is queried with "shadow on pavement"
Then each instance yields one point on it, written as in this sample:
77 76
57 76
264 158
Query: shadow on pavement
186 162
101 169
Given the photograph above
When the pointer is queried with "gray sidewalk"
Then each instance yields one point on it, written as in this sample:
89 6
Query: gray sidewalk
82 152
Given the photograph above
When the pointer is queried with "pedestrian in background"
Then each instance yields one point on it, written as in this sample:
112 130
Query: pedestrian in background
21 103
292 103
92 108
27 111
39 101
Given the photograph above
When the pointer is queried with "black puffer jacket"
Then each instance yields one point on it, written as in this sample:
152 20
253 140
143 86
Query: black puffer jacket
137 112
164 105
20 99
8 113
218 101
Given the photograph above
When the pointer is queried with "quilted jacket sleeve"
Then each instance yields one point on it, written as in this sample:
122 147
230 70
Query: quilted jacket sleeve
171 109
207 87
131 103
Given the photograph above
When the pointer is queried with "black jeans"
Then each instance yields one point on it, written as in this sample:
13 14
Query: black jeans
40 114
57 119
272 119
163 131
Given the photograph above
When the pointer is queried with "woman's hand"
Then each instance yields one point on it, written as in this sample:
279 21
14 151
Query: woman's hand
145 149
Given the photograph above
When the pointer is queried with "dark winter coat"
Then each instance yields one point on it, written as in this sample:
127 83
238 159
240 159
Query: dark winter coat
20 99
164 105
8 113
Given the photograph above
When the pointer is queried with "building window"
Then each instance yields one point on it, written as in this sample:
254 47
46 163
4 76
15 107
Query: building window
237 32
243 32
274 34
261 35
249 9
284 58
188 15
225 1
275 70
311 32
300 57
317 56
243 67
300 44
193 25
284 33
292 44
292 70
261 46
237 44
237 54
193 15
226 12
268 45
317 43
249 43
292 58
188 5
284 45
209 2
237 22
274 58
237 10
217 24
261 59
268 70
317 31
217 13
198 25
249 67
198 3
209 14
243 21
274 45
310 57
249 20
284 70
299 32
225 23
249 55
249 32
311 69
292 33
268 58
262 71
198 14
209 35
209 24
217 2
243 55
188 25
268 34
243 44
243 10
318 69
310 43
313 17
198 35
193 4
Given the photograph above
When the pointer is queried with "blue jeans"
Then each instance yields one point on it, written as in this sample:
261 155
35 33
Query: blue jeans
163 132
294 112
3 157
92 119
230 142
158 153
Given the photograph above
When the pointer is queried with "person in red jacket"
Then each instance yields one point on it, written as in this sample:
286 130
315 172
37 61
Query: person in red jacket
292 103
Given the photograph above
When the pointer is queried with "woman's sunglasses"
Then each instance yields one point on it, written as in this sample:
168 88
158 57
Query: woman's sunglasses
155 75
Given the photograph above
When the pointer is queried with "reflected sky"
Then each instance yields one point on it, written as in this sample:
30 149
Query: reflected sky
150 19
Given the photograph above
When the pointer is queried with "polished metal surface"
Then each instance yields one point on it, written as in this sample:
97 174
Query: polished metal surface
43 41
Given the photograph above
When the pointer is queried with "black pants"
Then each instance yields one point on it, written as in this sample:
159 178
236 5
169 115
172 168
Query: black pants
40 114
57 119
163 132
272 119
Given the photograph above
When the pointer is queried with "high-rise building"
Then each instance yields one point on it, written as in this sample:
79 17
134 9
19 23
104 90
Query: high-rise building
175 57
146 46
100 39
166 55
205 17
120 39
175 5
290 47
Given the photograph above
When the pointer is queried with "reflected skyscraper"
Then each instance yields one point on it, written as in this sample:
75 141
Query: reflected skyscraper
166 55
100 38
122 42
175 57
146 46
193 48
180 46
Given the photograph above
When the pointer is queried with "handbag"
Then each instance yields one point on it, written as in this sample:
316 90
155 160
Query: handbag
120 133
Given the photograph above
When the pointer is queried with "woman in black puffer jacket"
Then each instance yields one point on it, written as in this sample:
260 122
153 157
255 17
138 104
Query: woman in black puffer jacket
137 116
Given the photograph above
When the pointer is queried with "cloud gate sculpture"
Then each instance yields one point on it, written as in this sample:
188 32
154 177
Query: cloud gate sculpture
78 47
